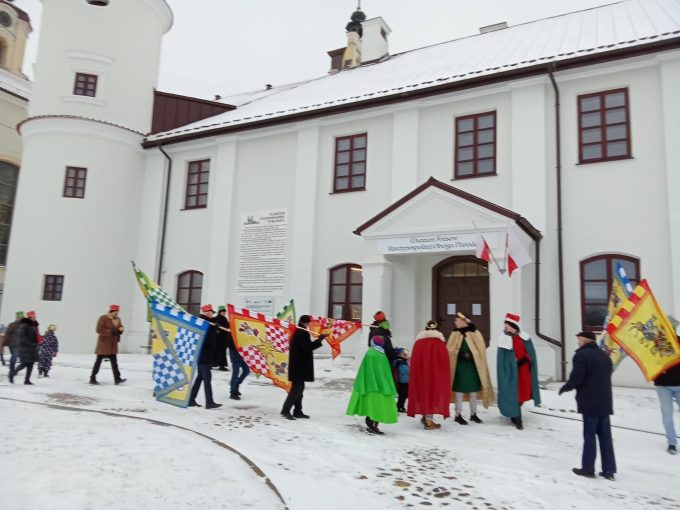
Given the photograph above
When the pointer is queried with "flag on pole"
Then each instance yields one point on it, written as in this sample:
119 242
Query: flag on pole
621 289
517 254
288 313
263 342
482 250
152 291
178 339
336 331
645 333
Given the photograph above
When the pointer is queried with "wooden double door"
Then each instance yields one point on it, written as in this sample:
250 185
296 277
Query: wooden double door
461 284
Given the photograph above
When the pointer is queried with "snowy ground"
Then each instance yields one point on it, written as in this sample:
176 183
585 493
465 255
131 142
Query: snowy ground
58 454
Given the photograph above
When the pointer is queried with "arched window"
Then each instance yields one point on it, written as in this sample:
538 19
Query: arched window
9 175
597 274
189 290
344 292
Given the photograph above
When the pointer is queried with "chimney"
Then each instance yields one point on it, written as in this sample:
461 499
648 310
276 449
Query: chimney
493 28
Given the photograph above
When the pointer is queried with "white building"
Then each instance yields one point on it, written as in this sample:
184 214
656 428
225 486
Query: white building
361 190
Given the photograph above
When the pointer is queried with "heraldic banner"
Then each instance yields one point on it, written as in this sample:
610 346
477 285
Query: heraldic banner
621 289
264 343
336 331
177 342
643 331
288 313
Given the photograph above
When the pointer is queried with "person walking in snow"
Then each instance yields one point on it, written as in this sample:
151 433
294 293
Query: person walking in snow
469 369
223 337
667 386
402 369
27 346
109 328
517 371
429 386
373 391
48 350
10 341
381 327
591 377
205 362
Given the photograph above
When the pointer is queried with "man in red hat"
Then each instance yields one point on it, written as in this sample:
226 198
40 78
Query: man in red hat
109 329
517 370
205 361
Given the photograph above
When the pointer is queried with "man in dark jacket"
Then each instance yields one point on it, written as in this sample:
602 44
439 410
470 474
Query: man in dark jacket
27 346
300 367
223 337
591 377
10 341
205 361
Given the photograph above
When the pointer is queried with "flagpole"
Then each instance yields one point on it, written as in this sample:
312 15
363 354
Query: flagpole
495 261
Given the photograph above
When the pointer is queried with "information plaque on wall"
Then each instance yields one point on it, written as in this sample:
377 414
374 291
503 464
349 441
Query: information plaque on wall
262 253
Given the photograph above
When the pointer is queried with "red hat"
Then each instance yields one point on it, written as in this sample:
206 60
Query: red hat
379 316
114 308
207 308
31 314
512 319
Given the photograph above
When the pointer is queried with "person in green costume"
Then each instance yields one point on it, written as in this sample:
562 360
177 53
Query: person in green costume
374 391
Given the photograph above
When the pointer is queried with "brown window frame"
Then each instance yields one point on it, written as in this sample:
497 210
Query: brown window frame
85 85
475 145
350 163
197 168
53 287
193 307
603 142
610 259
72 183
347 284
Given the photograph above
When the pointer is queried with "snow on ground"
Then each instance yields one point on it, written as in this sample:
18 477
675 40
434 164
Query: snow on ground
54 457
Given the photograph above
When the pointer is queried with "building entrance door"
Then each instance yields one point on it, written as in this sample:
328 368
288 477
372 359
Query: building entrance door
461 284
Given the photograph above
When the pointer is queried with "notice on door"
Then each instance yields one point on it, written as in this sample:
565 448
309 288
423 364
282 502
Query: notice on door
262 253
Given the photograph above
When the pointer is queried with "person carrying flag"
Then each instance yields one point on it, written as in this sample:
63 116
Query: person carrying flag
205 361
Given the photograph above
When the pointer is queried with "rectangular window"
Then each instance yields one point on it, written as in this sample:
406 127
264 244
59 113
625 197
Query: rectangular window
475 145
85 85
74 183
197 185
350 163
54 284
604 128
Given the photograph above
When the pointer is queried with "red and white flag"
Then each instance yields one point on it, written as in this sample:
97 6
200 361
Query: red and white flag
518 255
482 251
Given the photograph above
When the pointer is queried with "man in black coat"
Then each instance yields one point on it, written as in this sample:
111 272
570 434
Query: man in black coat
300 367
205 361
591 377
223 337
27 347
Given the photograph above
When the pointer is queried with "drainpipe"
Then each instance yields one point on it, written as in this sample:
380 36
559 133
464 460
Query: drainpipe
165 215
560 249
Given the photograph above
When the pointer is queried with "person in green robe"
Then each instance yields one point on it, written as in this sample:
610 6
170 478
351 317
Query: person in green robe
374 390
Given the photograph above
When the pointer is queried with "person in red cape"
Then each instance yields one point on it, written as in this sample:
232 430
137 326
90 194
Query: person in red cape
430 379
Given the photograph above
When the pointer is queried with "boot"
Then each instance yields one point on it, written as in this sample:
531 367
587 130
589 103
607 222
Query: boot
475 418
287 416
93 381
459 419
518 423
583 472
234 396
672 449
11 376
120 381
28 382
608 476
430 425
213 405
300 415
193 403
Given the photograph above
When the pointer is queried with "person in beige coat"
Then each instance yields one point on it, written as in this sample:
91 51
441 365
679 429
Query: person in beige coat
109 329
469 369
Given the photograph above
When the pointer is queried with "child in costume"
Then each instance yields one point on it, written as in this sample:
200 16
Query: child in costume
402 374
373 392
48 350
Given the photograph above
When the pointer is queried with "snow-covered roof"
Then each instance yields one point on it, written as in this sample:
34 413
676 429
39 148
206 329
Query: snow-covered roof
609 28
14 84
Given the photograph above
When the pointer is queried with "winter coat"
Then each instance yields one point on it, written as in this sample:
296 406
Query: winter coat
507 375
402 369
209 342
109 336
670 377
429 384
10 338
224 337
477 346
591 377
387 335
27 340
301 358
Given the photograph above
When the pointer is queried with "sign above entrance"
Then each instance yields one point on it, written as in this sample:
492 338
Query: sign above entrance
436 243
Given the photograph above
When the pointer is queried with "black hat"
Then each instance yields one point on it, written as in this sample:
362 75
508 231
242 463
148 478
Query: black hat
304 319
587 334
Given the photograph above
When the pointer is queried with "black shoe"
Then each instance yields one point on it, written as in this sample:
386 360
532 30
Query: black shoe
374 428
213 405
93 381
671 449
518 423
460 419
288 416
608 476
120 381
28 382
475 418
401 409
194 404
234 396
238 393
583 472
45 374
300 415
11 377
39 373
223 369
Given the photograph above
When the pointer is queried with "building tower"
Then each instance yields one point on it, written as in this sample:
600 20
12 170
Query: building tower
75 224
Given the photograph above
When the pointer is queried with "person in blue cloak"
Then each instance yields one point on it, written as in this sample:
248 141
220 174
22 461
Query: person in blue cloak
517 371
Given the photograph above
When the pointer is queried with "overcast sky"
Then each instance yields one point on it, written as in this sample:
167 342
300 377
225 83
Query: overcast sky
230 46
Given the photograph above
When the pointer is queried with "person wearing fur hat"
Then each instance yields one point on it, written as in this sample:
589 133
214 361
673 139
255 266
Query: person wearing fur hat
27 346
430 381
469 368
109 328
48 350
517 371
381 327
10 341
373 391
